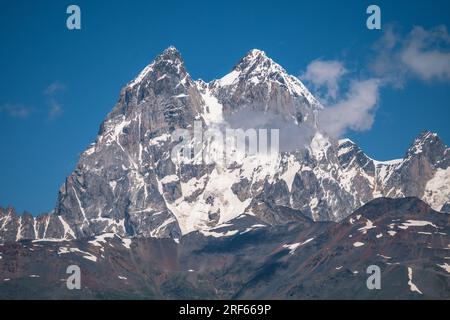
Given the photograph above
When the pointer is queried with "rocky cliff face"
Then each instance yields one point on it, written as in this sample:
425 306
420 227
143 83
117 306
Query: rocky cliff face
127 183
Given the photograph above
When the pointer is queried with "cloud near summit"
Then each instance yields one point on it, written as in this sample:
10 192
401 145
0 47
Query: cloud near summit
325 74
422 54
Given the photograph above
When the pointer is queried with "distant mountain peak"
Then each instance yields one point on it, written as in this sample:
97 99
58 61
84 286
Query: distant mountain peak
255 55
169 62
255 52
426 143
256 61
425 136
170 54
258 82
171 49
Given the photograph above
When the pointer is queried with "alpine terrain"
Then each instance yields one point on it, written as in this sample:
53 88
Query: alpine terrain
302 223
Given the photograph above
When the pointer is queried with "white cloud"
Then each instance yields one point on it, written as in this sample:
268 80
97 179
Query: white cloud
51 92
325 74
355 111
424 54
15 110
54 88
55 108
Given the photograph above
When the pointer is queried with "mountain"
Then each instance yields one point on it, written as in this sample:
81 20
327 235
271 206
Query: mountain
128 184
142 221
404 237
248 259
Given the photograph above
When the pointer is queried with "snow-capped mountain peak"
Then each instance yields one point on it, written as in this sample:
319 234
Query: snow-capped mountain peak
256 68
126 182
168 64
426 137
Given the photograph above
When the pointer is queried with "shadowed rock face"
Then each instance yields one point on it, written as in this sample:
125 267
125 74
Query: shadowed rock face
126 182
250 258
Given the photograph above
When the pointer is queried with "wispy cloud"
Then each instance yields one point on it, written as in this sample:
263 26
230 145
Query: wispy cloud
325 74
54 88
343 111
356 111
16 110
52 92
422 53
55 108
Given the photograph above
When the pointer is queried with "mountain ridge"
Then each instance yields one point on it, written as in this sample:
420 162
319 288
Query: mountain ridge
127 183
248 259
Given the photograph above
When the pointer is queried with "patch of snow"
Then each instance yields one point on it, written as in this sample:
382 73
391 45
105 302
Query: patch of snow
416 223
255 226
67 229
345 150
90 150
292 168
292 247
126 243
422 232
412 286
193 185
437 189
80 206
230 78
217 196
49 240
158 140
169 179
445 266
19 230
113 185
212 113
258 226
182 95
219 234
141 75
369 225
162 227
319 146
86 255
101 239
388 162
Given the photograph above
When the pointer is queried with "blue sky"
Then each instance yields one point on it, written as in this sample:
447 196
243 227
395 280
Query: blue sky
58 85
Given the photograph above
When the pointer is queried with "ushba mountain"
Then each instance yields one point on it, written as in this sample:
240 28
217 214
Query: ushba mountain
287 218
127 183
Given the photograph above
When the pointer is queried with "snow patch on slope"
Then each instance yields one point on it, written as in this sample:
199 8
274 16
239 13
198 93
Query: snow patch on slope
412 286
437 189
